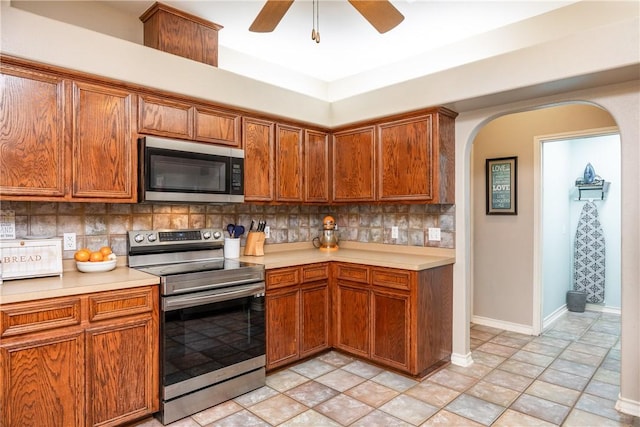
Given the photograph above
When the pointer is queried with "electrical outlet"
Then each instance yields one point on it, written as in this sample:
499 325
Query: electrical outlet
434 234
394 232
267 232
69 241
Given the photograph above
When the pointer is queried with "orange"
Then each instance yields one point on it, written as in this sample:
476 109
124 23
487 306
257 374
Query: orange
82 255
105 251
96 256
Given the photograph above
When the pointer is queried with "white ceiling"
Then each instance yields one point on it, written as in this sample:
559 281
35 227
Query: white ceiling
349 44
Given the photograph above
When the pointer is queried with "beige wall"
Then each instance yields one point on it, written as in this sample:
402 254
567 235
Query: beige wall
503 245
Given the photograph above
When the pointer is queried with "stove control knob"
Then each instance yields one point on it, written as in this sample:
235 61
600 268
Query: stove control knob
217 235
138 238
151 237
206 235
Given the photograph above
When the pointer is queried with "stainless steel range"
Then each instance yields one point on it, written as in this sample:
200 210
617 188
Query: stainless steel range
212 343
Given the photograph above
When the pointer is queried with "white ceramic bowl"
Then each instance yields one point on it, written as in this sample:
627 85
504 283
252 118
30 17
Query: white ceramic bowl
95 267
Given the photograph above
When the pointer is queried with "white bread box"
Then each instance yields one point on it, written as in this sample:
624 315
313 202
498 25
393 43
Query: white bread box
21 259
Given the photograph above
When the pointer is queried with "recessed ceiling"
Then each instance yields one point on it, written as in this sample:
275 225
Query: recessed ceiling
349 44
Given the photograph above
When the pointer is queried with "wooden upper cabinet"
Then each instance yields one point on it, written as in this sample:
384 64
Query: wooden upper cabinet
416 158
353 165
317 162
405 159
289 163
33 124
176 119
103 164
216 126
258 144
175 31
163 117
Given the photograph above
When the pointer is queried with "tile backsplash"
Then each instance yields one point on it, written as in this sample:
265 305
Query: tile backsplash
99 224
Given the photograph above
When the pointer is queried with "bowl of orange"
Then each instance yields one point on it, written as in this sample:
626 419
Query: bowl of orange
88 261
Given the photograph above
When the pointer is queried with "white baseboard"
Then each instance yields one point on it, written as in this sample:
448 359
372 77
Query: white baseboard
548 321
603 308
500 324
463 360
627 406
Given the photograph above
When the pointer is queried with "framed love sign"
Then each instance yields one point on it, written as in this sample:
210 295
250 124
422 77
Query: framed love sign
502 192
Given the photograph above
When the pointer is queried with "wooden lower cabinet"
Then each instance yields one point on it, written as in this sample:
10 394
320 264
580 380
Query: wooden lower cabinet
352 318
314 318
297 313
283 330
103 370
43 380
398 318
119 369
390 328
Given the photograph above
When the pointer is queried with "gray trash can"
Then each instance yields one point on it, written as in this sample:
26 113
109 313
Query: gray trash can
576 301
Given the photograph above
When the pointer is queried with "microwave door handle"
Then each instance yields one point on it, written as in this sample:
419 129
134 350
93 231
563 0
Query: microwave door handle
185 301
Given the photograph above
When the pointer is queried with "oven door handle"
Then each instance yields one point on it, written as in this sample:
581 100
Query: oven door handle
202 298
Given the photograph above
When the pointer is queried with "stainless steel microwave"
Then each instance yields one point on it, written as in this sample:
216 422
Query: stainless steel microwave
176 171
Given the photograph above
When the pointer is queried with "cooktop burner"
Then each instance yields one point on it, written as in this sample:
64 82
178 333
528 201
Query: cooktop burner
188 260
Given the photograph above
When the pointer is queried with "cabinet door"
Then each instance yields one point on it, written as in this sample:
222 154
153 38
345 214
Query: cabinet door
43 380
32 134
163 117
289 164
217 126
390 328
258 143
103 148
405 159
282 324
353 165
314 318
316 166
352 318
122 355
120 365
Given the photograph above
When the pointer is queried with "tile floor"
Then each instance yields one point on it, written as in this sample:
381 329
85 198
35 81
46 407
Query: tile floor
568 376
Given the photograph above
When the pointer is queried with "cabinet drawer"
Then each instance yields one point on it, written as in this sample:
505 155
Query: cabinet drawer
391 278
315 272
352 272
283 277
39 316
109 305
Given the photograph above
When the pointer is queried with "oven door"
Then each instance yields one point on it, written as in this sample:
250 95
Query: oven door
182 171
212 336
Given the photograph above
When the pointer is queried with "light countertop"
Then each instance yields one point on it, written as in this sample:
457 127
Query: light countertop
73 282
403 257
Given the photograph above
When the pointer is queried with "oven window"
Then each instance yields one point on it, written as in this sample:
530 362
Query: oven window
205 338
173 172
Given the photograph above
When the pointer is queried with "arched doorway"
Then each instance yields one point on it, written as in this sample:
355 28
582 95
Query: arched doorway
507 252
624 105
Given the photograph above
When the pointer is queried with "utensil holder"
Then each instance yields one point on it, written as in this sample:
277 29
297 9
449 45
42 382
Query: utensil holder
232 247
255 243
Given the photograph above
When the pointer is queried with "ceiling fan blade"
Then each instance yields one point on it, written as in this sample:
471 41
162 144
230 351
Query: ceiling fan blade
380 13
270 15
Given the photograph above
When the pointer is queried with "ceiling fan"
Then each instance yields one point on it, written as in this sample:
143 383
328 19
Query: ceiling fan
380 13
